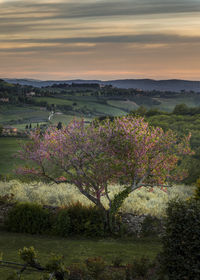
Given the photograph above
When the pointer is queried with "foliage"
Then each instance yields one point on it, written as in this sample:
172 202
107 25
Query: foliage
197 190
95 266
182 122
76 250
138 269
142 201
78 271
1 129
152 225
29 218
7 198
125 150
77 219
117 261
180 257
61 224
55 268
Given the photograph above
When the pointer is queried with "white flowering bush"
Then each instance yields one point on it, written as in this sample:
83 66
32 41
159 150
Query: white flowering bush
141 201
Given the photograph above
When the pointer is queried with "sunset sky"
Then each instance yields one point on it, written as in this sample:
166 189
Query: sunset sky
102 39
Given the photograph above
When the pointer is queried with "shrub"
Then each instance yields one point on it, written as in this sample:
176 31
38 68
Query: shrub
117 261
95 266
7 198
181 243
62 224
28 218
197 190
138 269
78 271
77 219
151 226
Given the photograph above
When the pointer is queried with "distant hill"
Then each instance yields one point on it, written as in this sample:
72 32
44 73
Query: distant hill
143 84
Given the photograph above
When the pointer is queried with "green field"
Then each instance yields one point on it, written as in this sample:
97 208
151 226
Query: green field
25 114
94 105
168 104
56 101
8 148
75 250
127 105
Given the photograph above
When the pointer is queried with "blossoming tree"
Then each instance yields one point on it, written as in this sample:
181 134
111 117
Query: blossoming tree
126 150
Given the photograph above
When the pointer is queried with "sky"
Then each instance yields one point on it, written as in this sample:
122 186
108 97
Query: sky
100 39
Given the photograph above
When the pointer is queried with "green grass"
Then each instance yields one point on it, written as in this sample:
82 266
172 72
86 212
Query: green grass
127 105
26 113
8 148
92 104
65 119
168 104
56 101
75 250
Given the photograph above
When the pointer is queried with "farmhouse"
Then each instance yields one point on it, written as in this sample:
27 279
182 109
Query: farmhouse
4 100
29 94
9 130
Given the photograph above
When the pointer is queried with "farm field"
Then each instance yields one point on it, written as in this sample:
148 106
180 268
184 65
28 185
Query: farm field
127 105
25 114
8 148
94 105
168 104
75 250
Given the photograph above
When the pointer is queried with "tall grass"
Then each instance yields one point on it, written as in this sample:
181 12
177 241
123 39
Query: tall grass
142 201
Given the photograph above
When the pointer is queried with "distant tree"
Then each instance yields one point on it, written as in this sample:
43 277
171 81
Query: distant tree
59 126
141 111
26 127
30 126
181 109
1 129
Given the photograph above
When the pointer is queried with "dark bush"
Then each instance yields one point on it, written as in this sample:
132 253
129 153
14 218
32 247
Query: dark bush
197 190
29 218
151 226
78 271
180 258
77 219
62 223
95 266
138 269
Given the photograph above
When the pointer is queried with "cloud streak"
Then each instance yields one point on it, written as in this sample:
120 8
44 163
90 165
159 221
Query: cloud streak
74 9
128 34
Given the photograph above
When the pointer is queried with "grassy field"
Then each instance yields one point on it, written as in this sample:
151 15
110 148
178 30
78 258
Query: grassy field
26 113
75 250
127 105
168 104
93 104
55 101
8 148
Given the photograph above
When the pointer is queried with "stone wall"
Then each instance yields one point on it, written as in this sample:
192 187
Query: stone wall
139 225
4 209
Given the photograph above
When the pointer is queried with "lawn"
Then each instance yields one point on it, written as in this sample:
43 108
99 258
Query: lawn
76 250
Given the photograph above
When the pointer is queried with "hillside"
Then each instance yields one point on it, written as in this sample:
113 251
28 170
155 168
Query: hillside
143 84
